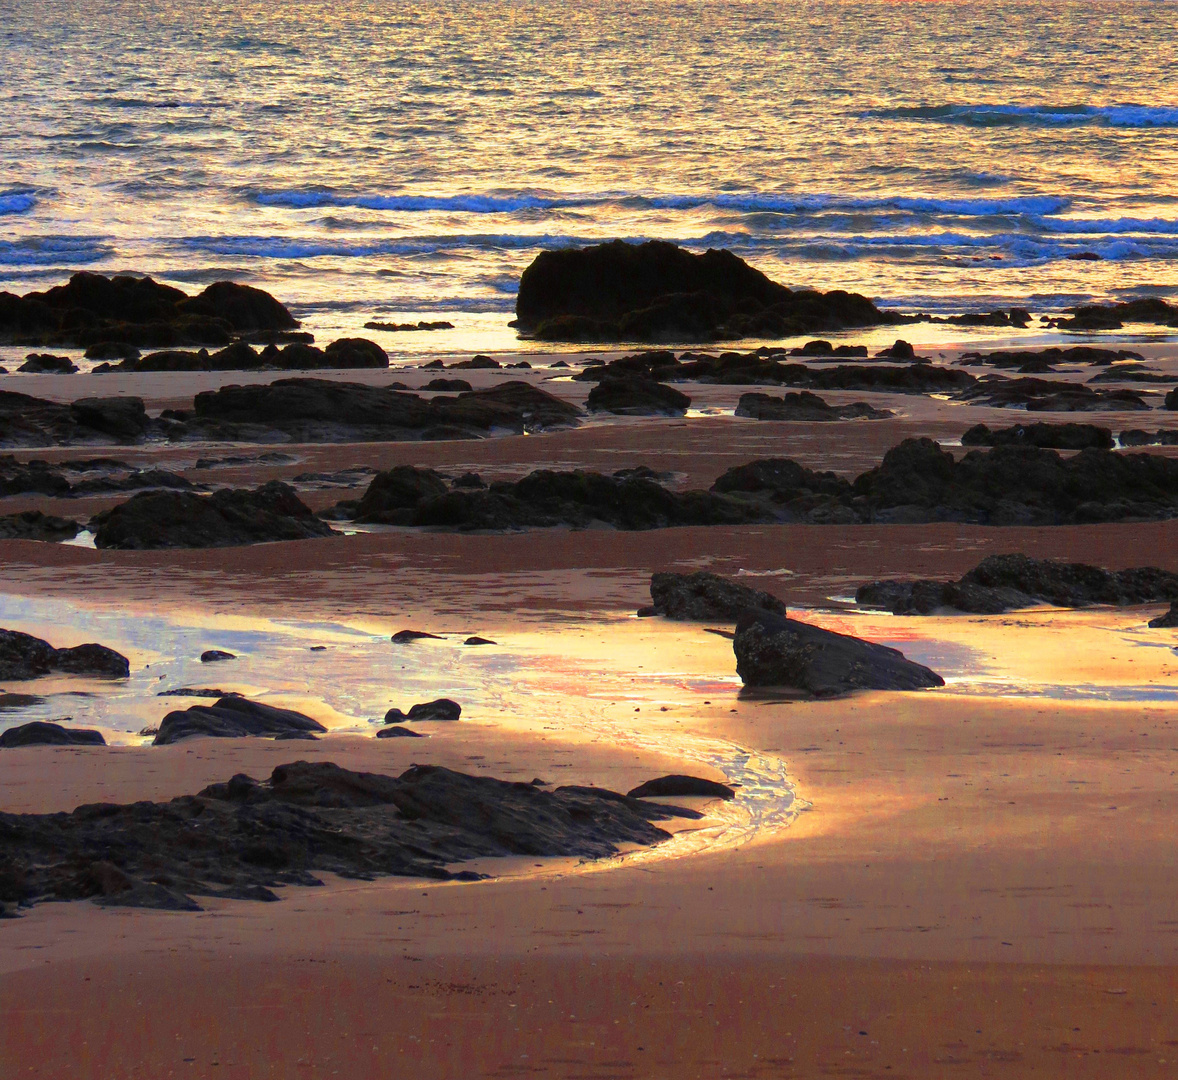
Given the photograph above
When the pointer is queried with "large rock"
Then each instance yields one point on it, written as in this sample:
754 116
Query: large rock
806 407
122 418
1054 436
233 717
439 709
243 838
780 653
1006 582
392 495
704 597
34 525
181 519
637 397
41 733
126 311
656 291
23 656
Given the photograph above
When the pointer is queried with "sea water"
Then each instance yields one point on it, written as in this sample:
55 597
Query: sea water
379 159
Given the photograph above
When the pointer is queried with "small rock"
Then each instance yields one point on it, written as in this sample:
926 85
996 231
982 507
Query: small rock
680 785
395 732
211 656
479 641
403 637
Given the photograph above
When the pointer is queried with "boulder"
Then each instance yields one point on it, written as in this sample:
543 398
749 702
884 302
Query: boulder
476 363
48 364
232 717
356 353
656 291
637 397
392 495
476 640
1048 358
40 733
1169 619
229 517
448 386
441 709
781 653
1171 400
704 597
806 407
122 418
23 656
679 786
1048 395
1138 437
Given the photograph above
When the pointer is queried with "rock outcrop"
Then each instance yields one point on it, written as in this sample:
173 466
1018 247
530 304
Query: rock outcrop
243 838
23 656
805 407
705 597
656 291
1007 582
42 733
233 717
47 364
1054 436
229 517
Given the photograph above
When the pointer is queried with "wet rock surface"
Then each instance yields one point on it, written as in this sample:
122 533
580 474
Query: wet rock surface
805 406
441 709
705 597
23 656
1007 582
773 652
1114 316
233 717
1053 436
243 838
92 310
656 291
42 733
679 786
232 516
1048 395
637 396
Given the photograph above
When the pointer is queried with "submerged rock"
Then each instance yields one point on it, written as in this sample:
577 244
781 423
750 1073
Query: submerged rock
229 517
23 656
680 786
1007 582
776 652
40 733
233 717
405 637
703 597
243 838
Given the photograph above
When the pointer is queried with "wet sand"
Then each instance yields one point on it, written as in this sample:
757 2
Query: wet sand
982 882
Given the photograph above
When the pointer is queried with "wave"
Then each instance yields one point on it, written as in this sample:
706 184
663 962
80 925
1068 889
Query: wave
1098 226
17 202
53 250
1140 116
747 201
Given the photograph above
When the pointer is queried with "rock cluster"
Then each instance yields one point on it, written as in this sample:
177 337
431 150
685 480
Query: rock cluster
1053 436
806 407
23 656
234 717
295 356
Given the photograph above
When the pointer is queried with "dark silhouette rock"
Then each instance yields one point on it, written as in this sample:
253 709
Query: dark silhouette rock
23 656
1048 358
392 496
48 364
1137 437
1055 436
476 640
806 407
438 324
1131 373
1168 620
212 656
679 786
776 652
40 733
476 363
241 839
901 350
34 525
1047 395
704 597
1171 400
637 397
441 709
229 517
18 701
395 732
17 478
122 418
404 637
470 480
448 386
1114 316
232 717
1007 582
656 291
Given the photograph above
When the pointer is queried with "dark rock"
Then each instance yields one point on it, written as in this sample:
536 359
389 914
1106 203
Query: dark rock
1130 373
356 353
470 480
1056 436
23 656
403 637
642 472
48 364
1114 316
1137 437
441 709
232 717
456 386
1168 620
772 651
476 363
476 640
211 656
901 350
34 525
122 418
242 838
39 733
806 407
301 736
656 291
1171 401
440 324
18 701
1046 395
112 350
1078 354
175 519
395 732
637 397
193 691
681 786
18 478
400 489
1007 582
703 597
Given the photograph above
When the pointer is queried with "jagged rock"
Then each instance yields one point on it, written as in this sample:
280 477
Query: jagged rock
23 656
1130 373
1046 395
404 637
92 309
901 350
804 406
34 525
1007 582
232 717
48 364
243 838
441 709
637 397
212 656
439 324
776 652
681 786
40 733
656 291
1168 620
1056 436
703 597
826 349
176 519
193 691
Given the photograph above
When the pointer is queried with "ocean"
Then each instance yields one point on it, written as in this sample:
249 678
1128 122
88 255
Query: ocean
406 161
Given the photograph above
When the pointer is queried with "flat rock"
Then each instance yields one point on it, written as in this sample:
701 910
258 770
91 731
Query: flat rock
23 656
1054 436
40 733
704 597
781 653
476 640
395 732
232 717
680 786
805 407
404 637
440 709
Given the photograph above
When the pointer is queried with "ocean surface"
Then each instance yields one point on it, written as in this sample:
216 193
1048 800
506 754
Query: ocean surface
367 159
